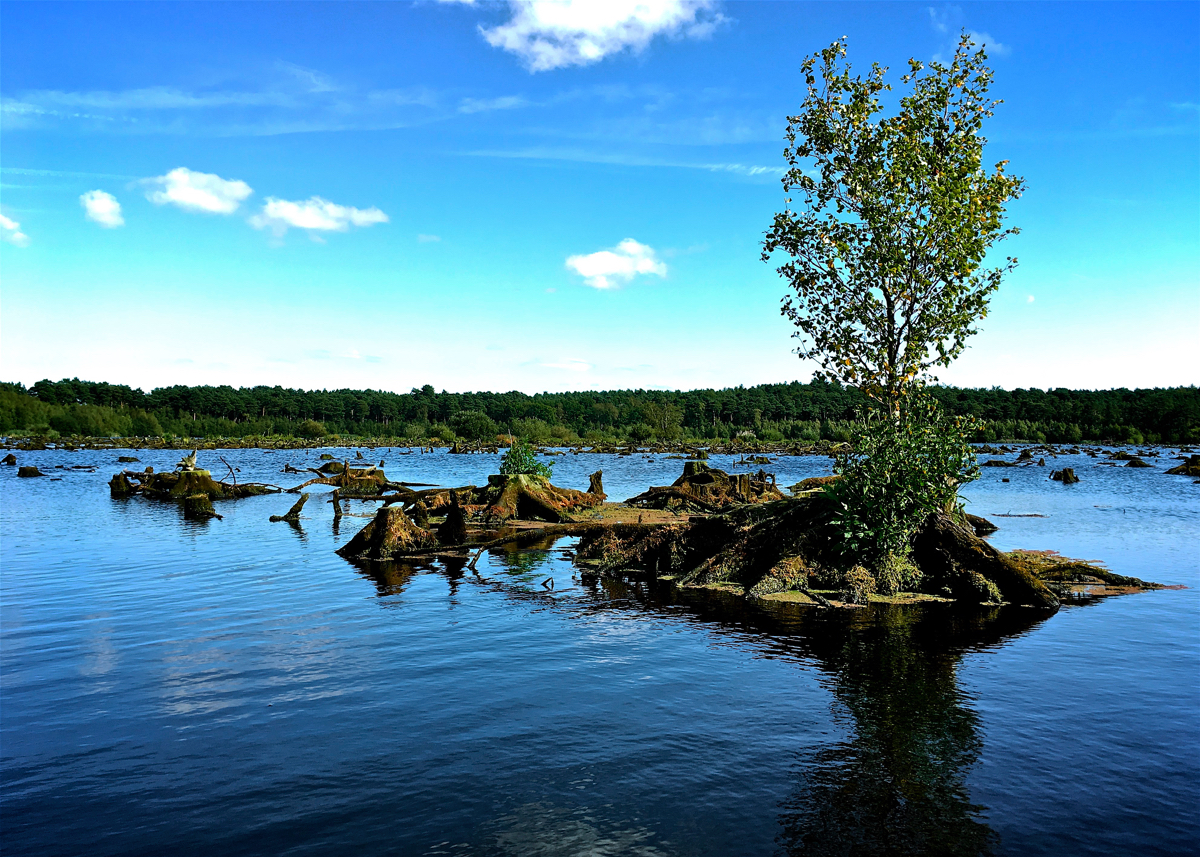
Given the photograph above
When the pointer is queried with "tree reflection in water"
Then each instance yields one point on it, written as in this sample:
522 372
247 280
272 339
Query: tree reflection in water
899 785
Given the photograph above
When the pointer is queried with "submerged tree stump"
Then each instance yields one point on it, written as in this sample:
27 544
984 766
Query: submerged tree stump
199 508
1191 467
390 533
9 459
1066 476
28 471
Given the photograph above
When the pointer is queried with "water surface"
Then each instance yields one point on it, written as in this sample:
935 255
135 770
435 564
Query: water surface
234 687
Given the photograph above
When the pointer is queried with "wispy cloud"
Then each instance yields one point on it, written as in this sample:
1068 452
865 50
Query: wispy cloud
609 269
102 207
10 231
429 239
195 191
485 105
314 214
581 32
626 160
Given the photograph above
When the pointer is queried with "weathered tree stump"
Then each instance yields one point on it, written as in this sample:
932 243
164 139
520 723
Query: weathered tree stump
10 459
531 497
28 471
702 488
198 507
453 530
1066 476
120 486
596 485
390 533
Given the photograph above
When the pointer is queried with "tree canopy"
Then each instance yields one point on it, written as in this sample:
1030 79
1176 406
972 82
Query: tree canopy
897 214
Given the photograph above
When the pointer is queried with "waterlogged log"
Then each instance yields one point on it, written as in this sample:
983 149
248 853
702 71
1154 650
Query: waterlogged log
390 533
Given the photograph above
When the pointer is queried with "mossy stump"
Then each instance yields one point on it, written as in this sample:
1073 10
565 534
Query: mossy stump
198 507
1066 476
9 459
390 533
28 471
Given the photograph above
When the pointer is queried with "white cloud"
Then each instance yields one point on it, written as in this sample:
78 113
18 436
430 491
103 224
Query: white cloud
549 35
993 47
314 213
11 232
1029 299
608 269
193 191
102 208
428 239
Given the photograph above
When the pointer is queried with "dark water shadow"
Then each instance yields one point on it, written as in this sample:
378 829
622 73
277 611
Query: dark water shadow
898 784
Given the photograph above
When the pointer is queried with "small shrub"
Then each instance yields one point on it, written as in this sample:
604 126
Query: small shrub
520 460
857 585
899 469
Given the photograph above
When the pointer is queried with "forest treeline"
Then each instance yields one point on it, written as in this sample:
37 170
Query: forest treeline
770 412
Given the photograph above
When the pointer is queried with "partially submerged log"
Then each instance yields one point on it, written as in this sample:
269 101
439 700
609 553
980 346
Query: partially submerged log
390 533
293 514
177 486
702 488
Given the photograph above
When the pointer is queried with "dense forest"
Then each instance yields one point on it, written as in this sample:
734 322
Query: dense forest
771 412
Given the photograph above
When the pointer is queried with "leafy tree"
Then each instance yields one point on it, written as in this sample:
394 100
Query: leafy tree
898 212
473 425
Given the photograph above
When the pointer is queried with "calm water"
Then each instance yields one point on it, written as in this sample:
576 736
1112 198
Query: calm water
234 687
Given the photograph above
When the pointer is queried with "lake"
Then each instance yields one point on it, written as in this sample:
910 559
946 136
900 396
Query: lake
234 687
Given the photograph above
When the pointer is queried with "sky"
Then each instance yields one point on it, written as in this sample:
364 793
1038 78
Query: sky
549 196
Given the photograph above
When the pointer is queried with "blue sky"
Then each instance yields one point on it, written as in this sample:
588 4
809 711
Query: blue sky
392 194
